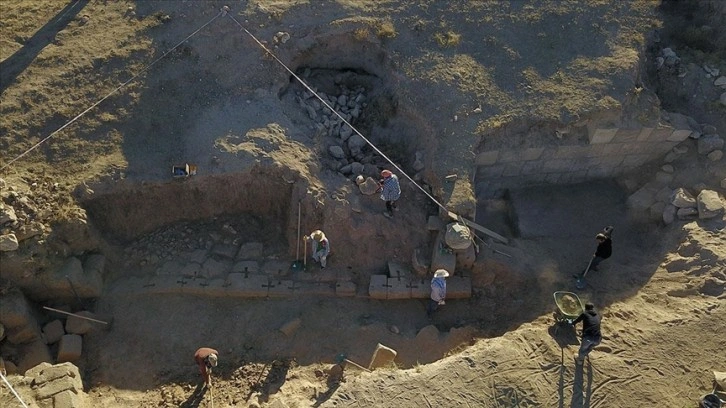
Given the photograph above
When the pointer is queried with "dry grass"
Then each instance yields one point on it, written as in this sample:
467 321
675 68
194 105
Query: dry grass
447 39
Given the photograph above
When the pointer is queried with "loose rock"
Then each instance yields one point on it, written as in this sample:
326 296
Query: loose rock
715 155
709 204
683 199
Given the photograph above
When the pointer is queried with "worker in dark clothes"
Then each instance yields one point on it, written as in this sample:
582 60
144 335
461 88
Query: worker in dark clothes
206 358
591 336
604 249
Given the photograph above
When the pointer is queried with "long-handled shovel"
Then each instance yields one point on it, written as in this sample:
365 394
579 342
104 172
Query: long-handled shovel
296 265
580 283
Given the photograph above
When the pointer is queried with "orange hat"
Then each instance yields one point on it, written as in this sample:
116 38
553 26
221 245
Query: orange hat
386 173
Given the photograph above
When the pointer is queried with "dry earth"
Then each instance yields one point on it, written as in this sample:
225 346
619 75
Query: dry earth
440 79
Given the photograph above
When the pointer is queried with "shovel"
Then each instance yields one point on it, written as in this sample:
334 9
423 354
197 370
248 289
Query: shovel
580 283
297 265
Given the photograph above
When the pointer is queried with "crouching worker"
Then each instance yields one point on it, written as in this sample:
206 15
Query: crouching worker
206 358
320 247
438 291
591 335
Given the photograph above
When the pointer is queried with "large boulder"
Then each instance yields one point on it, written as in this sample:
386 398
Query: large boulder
710 204
683 199
458 236
8 243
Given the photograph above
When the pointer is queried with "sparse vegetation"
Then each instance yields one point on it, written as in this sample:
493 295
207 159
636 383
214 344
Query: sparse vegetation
447 39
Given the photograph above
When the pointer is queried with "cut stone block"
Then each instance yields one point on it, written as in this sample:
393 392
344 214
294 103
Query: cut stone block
602 136
709 204
487 158
250 250
67 399
396 270
33 354
66 383
420 288
280 288
77 325
435 223
442 257
458 287
398 288
246 267
679 135
53 331
70 348
212 268
225 250
345 288
378 288
276 268
382 357
47 372
248 285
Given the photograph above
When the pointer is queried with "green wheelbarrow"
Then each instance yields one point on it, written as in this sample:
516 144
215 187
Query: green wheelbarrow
569 307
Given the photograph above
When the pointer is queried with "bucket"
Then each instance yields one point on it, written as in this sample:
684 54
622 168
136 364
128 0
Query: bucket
710 401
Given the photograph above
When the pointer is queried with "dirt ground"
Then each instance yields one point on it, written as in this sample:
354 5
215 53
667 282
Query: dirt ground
439 78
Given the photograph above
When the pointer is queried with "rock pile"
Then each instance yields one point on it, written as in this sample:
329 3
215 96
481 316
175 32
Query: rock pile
59 384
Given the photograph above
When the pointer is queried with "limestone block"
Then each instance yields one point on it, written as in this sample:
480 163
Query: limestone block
710 204
382 357
683 199
345 289
49 389
70 348
378 287
679 135
420 288
24 334
600 136
33 354
212 268
289 328
660 134
77 325
320 275
313 289
398 288
397 270
35 371
627 135
227 251
250 250
53 331
644 134
458 287
67 399
212 287
46 372
442 257
248 285
687 213
8 243
280 288
435 223
276 268
487 158
246 267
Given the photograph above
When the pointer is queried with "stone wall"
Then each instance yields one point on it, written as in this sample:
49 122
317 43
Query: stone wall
607 153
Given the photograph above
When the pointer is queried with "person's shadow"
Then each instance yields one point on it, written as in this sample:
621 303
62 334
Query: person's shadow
581 393
196 398
15 64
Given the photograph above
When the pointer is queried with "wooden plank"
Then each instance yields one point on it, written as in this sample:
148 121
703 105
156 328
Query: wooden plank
478 227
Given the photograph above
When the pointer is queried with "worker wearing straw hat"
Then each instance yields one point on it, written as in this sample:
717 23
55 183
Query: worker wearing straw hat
320 246
390 191
438 291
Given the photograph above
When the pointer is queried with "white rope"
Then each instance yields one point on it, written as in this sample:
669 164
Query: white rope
222 12
13 390
267 50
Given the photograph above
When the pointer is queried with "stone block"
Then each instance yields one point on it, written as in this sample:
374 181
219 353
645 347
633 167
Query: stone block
679 135
599 136
248 285
378 287
710 204
398 288
227 251
571 152
420 288
165 284
77 325
396 270
212 268
314 289
53 331
634 160
16 311
67 399
276 268
626 136
532 167
190 270
644 134
280 288
382 357
52 388
198 256
442 257
435 223
46 372
509 156
250 250
210 287
487 158
24 334
246 267
557 166
345 289
33 354
660 134
458 287
532 153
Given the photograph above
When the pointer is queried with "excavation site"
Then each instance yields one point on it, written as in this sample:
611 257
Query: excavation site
362 204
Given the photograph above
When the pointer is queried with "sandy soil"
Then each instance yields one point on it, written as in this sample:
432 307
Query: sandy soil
218 101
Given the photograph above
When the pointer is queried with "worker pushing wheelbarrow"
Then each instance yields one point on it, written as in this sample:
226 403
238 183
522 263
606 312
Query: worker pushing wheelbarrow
569 307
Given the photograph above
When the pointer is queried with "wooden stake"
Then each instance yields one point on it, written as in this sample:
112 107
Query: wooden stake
73 314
